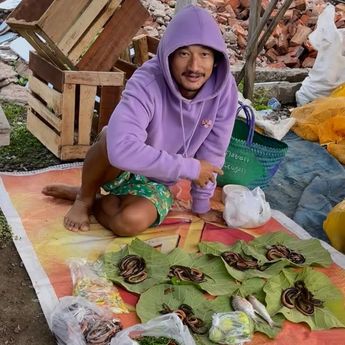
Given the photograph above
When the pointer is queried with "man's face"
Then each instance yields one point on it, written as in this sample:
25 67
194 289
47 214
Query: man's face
191 67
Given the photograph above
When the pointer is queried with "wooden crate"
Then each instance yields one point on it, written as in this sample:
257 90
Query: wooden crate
5 129
68 108
84 35
141 49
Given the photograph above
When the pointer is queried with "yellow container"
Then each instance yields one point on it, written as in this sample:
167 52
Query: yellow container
334 226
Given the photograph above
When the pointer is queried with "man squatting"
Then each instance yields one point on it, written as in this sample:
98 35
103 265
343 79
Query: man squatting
174 121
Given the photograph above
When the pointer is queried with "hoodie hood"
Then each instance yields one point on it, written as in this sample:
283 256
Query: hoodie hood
194 26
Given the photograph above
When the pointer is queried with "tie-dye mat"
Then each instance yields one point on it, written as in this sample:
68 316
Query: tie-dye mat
45 246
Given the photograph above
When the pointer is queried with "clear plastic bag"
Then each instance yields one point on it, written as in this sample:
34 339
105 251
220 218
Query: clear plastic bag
231 328
168 325
76 321
245 208
90 282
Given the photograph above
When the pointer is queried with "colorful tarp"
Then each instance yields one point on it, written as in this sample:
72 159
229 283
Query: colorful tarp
45 246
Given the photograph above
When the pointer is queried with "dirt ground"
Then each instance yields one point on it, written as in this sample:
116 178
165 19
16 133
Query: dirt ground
21 318
22 321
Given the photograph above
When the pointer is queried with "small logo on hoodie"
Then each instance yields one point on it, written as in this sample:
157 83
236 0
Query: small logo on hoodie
206 123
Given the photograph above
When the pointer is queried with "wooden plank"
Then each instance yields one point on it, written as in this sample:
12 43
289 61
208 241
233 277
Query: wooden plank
86 111
152 44
59 58
141 50
125 55
60 16
68 114
94 78
43 133
29 12
115 37
52 97
126 67
80 25
110 97
5 129
69 152
26 34
44 112
88 37
249 73
40 47
46 71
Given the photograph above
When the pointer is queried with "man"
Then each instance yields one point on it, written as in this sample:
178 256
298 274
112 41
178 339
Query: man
174 121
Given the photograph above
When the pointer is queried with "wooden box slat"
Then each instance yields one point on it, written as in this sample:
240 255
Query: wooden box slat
44 112
77 51
80 25
60 16
67 117
116 35
43 133
52 97
80 34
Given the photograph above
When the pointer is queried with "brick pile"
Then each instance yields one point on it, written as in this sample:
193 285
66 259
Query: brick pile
288 45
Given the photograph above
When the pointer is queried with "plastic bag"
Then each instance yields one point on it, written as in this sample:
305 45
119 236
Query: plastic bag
90 283
334 226
76 321
323 120
231 328
168 325
328 71
245 208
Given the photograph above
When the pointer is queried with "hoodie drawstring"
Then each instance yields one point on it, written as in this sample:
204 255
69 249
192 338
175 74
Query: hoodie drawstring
185 143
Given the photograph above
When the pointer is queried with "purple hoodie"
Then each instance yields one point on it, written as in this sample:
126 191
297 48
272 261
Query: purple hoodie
156 132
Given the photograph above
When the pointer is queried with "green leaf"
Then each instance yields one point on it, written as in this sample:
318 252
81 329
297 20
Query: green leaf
311 249
157 266
330 316
246 250
218 282
150 303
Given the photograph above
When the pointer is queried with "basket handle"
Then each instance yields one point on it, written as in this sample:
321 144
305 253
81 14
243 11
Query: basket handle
250 119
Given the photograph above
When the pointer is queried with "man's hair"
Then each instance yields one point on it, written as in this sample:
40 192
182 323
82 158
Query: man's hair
218 56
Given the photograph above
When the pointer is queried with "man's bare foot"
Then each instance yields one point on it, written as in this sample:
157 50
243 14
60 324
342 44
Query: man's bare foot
77 218
61 191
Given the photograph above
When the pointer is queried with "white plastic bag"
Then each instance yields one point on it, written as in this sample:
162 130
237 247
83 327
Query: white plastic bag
245 208
328 71
76 321
168 325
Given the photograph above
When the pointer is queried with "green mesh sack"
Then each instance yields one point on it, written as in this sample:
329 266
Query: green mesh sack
251 158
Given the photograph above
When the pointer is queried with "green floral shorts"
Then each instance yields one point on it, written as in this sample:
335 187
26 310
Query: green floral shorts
132 184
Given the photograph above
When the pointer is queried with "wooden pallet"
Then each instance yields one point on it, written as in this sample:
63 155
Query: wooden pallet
141 49
84 35
64 111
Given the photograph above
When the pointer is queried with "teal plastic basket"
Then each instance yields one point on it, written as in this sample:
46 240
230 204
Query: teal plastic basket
251 158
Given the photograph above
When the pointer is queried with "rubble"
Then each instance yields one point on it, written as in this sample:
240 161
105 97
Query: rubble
287 48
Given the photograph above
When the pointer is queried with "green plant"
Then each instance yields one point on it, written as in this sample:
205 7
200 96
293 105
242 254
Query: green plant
5 230
25 152
260 99
22 81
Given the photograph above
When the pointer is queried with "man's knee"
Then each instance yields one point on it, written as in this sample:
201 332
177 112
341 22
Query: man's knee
130 223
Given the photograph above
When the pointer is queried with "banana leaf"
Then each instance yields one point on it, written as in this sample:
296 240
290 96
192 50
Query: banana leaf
329 316
157 266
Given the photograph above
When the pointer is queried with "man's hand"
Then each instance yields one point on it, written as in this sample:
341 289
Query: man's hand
212 216
207 171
